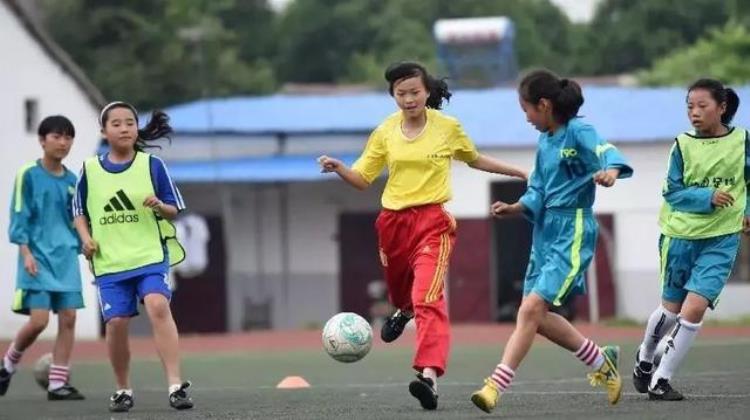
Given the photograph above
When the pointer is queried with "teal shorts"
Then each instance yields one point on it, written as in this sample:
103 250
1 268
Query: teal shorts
562 248
26 300
701 266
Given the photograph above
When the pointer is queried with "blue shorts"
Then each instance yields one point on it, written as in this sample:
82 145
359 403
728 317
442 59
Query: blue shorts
701 266
562 248
26 300
120 298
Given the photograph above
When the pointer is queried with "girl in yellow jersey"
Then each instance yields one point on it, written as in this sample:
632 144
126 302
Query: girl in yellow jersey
415 234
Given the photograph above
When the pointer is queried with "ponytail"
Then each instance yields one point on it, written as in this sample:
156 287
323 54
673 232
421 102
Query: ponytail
157 127
733 102
565 95
720 94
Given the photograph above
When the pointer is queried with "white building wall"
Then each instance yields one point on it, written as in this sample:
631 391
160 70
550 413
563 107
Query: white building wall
635 204
307 291
27 72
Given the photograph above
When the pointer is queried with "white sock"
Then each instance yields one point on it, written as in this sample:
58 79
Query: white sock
58 376
128 391
174 387
677 347
590 354
503 376
12 358
432 374
660 323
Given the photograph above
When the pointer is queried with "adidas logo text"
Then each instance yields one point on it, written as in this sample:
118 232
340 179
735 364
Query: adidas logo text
120 202
120 218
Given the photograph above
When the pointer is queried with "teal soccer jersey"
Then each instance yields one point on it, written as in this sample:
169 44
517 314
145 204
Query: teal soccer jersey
565 165
558 202
40 217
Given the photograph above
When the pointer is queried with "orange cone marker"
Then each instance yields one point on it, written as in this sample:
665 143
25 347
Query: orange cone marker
293 382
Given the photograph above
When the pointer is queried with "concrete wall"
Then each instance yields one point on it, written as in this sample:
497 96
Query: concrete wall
27 72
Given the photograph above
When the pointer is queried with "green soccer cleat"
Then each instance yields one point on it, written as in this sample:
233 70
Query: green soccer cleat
488 397
607 375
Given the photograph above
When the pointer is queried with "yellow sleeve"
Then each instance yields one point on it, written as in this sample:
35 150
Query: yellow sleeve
462 148
373 159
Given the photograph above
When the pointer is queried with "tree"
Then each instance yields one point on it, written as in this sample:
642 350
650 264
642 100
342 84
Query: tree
723 55
627 35
331 40
159 52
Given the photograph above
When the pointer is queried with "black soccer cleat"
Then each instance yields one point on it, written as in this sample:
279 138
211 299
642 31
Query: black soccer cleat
4 380
120 402
180 399
423 389
664 392
394 326
65 393
642 374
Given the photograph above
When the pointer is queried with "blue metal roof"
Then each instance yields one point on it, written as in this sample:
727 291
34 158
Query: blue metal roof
258 170
491 117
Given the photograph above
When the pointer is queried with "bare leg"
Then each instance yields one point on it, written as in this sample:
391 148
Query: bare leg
66 324
119 350
31 329
165 335
530 316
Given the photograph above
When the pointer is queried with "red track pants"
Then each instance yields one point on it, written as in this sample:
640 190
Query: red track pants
415 246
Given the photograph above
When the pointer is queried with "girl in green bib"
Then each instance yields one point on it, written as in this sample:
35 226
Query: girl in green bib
123 204
704 212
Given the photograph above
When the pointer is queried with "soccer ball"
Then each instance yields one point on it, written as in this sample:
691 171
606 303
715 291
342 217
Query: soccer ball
41 370
347 337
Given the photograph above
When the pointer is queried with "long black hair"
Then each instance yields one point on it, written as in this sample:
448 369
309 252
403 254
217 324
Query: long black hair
437 88
157 127
565 94
720 94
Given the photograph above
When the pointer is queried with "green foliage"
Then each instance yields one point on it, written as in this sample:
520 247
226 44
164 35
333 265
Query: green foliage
160 52
627 35
723 55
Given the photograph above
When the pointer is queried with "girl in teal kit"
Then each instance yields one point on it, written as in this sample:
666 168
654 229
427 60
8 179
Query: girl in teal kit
48 278
570 161
704 211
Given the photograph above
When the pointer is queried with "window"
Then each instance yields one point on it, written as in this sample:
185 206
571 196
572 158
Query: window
31 108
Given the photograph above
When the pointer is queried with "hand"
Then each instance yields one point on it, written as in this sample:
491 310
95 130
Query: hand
329 164
606 178
29 263
746 225
722 199
499 209
90 247
153 202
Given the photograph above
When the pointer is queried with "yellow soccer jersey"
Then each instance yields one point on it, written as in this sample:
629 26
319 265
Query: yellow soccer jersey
418 168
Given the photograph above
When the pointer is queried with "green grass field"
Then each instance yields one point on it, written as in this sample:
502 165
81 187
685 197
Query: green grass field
550 384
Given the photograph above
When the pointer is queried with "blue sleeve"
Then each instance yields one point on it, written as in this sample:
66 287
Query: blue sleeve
21 208
165 188
533 199
747 173
607 154
681 197
79 200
